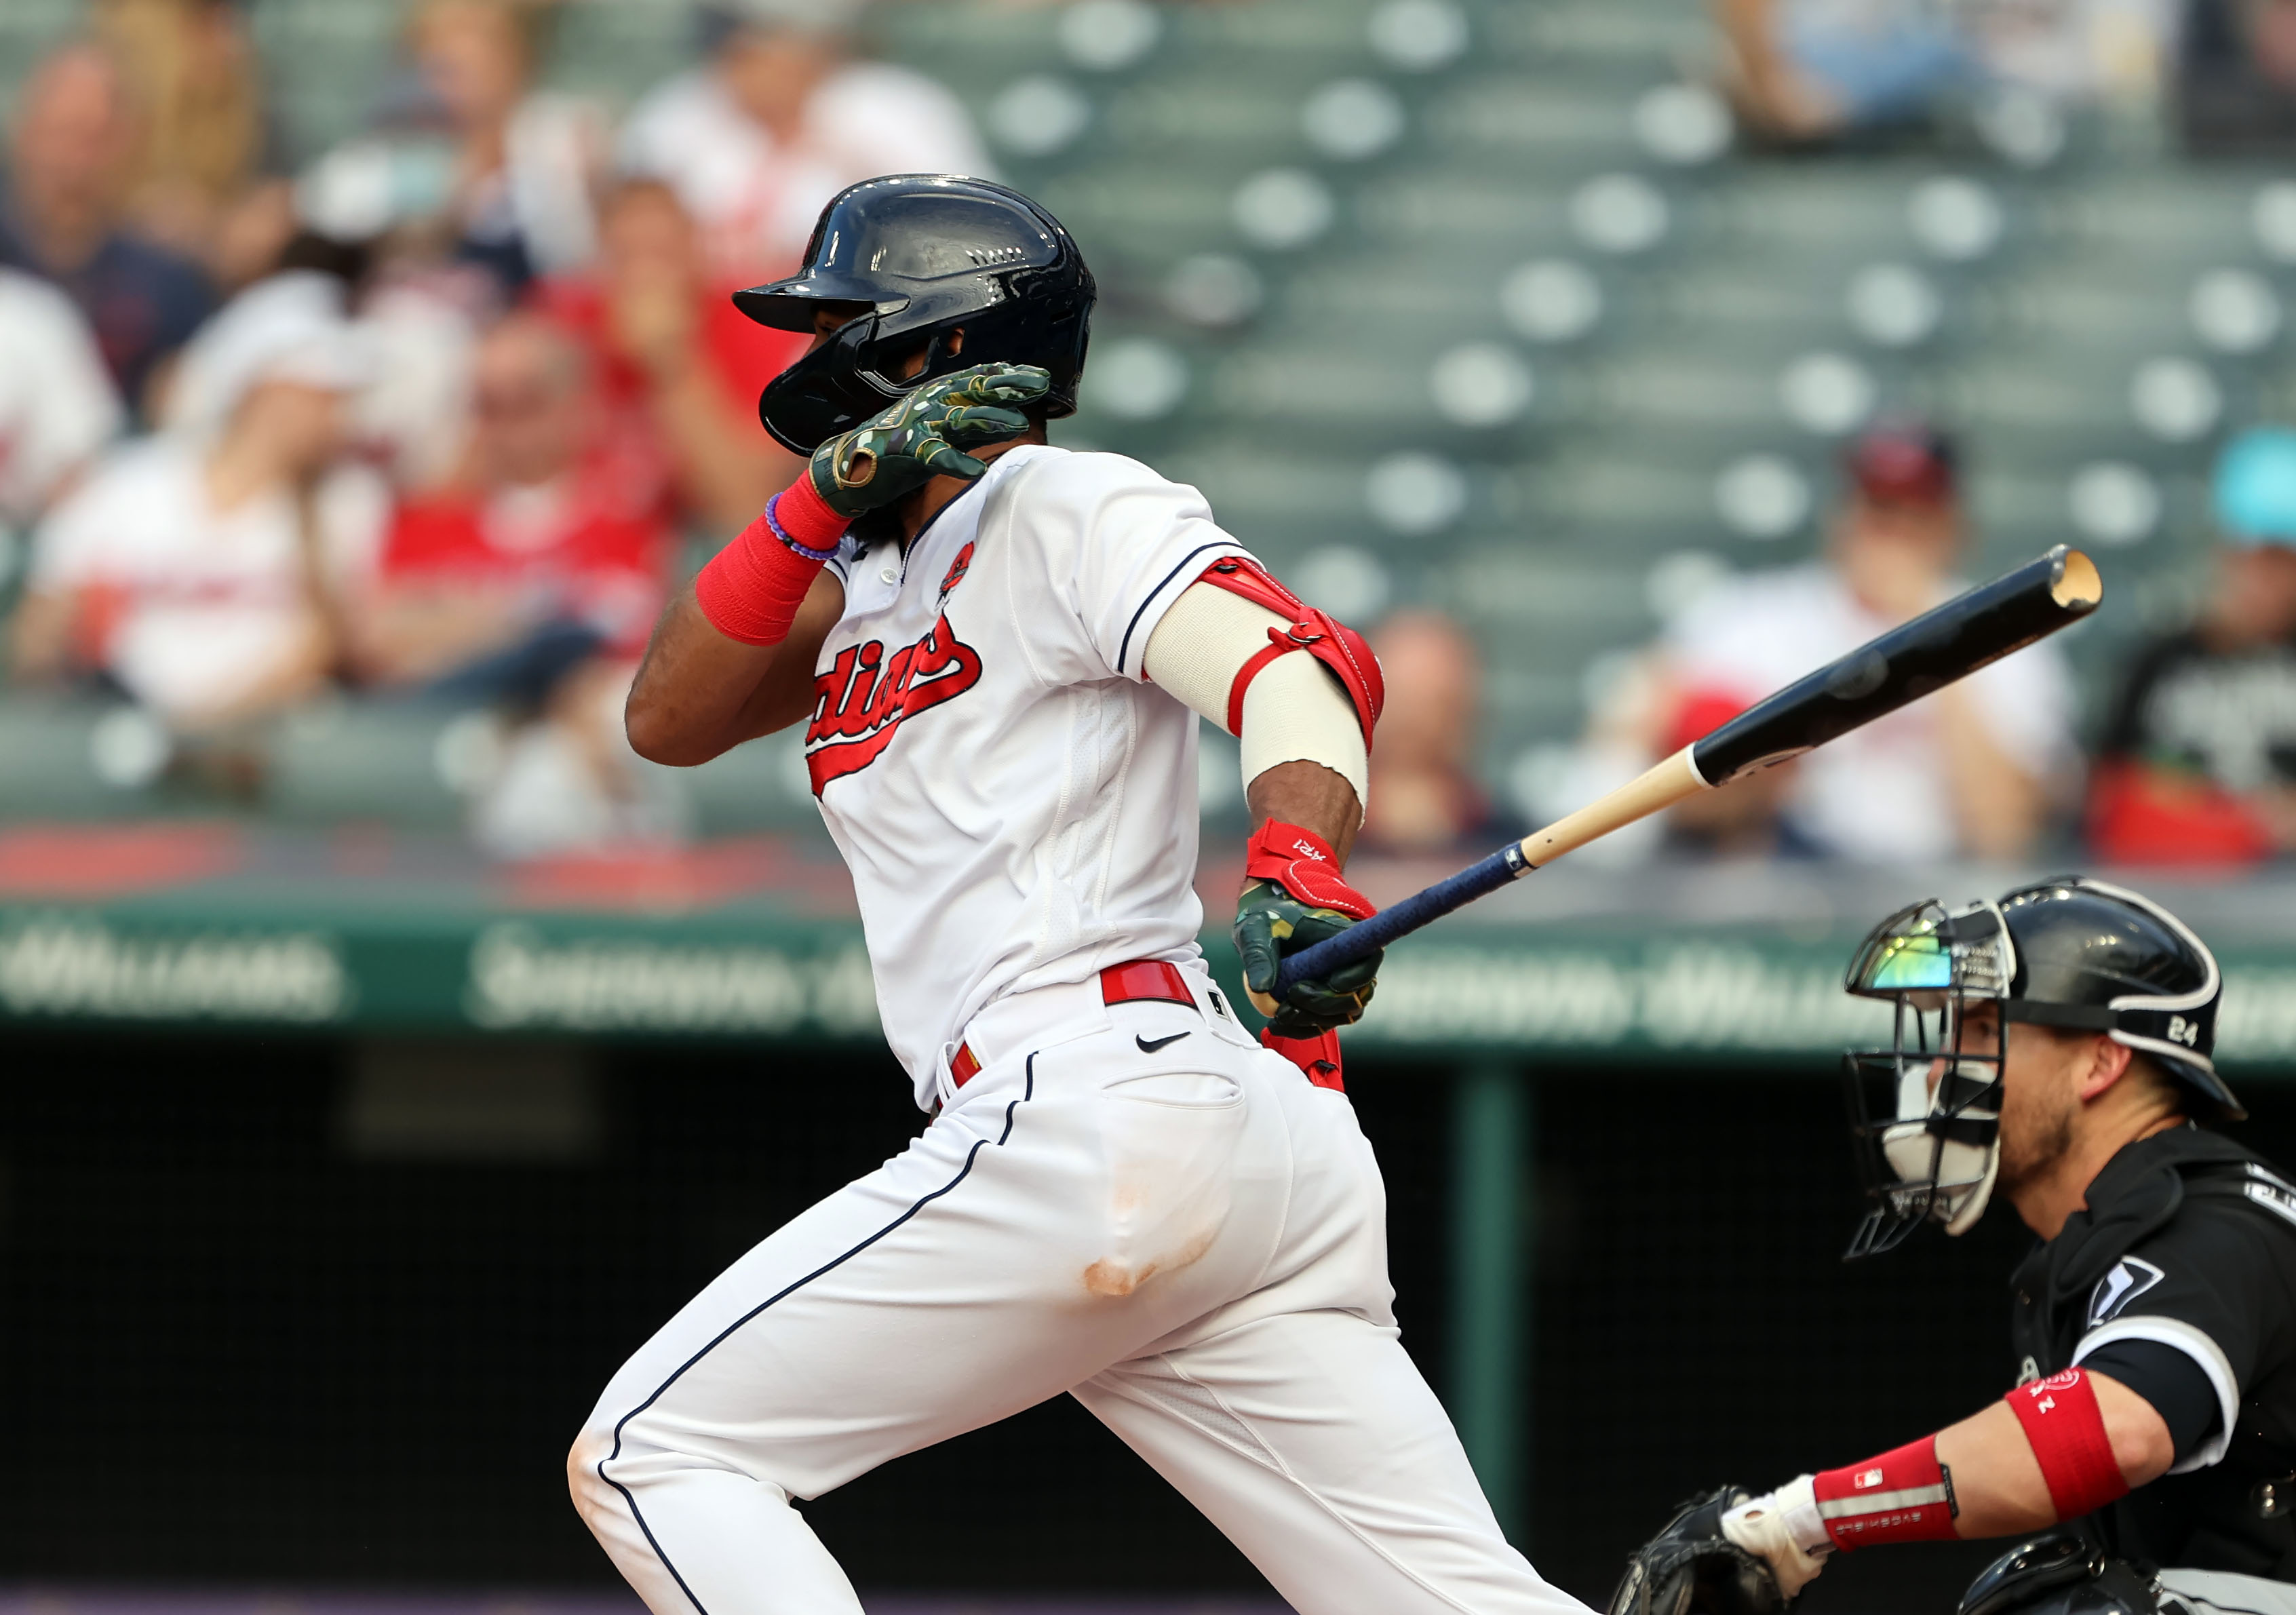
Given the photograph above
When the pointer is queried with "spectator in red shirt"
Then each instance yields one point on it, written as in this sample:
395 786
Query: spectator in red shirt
676 361
549 547
2199 760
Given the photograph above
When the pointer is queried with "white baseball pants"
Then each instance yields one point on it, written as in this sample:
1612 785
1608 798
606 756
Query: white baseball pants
1189 1240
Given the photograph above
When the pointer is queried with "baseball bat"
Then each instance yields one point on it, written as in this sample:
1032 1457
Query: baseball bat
1966 633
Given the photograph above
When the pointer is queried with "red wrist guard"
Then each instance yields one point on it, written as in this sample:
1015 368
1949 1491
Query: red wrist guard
1903 1495
1317 1056
2066 1430
1307 867
752 589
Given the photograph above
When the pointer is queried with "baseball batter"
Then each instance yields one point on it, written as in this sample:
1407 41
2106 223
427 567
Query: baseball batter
999 650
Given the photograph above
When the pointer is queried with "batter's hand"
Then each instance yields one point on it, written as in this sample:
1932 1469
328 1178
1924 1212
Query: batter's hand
901 448
1271 921
1293 898
1692 1567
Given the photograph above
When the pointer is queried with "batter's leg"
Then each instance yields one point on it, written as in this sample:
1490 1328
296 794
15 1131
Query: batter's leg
1312 1441
1005 1256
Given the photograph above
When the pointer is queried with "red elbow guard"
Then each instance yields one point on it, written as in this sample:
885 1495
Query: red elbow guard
2066 1430
1903 1495
1339 647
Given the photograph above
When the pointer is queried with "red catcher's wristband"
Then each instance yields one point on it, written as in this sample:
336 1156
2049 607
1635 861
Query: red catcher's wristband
1903 1495
750 590
1304 863
2066 1430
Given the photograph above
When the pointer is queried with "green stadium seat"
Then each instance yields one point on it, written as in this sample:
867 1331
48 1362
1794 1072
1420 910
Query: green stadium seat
758 786
410 765
76 759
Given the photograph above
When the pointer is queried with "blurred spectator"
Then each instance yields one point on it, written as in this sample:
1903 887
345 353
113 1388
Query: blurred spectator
780 120
531 583
1802 70
1424 797
674 358
1810 70
470 167
195 73
526 159
2199 760
57 407
71 162
1970 770
1973 770
550 545
208 381
200 572
2236 77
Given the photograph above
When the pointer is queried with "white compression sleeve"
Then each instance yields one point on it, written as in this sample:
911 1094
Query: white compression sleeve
1294 711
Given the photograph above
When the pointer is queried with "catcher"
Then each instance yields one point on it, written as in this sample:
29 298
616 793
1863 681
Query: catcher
2054 1048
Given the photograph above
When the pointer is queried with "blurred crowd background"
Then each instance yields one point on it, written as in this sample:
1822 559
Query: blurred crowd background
369 377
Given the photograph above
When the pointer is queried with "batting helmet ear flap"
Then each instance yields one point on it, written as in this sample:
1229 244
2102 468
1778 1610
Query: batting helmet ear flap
829 390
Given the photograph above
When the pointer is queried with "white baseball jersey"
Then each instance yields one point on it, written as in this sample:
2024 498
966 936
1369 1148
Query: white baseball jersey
1017 806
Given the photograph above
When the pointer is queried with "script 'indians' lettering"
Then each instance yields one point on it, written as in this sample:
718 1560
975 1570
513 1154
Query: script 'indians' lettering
866 695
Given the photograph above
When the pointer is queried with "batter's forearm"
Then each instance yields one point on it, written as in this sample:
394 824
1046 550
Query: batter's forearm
698 693
1310 796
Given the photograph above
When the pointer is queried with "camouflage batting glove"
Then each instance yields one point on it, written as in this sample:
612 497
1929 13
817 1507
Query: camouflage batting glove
898 450
1293 898
1271 922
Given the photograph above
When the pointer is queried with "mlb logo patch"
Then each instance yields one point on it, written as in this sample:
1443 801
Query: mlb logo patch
1865 1480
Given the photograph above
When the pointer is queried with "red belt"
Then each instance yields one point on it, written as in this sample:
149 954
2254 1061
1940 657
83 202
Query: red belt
1127 983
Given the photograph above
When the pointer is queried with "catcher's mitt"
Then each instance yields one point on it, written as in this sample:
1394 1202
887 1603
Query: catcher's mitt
1692 1568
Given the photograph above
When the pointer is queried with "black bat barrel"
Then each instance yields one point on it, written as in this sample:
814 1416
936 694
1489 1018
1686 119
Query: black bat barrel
1908 662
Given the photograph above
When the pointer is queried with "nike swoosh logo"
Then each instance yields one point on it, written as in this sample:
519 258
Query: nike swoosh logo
1149 1047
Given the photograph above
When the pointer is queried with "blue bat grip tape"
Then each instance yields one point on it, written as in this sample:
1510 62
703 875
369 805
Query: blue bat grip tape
1420 908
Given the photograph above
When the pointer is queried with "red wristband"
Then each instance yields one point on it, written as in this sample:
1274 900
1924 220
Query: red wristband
750 590
1318 1056
1307 867
806 516
1903 1495
2065 1428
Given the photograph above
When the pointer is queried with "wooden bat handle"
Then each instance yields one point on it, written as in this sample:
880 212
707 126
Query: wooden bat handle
1660 786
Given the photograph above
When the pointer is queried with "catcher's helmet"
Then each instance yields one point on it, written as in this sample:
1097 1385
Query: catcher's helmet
2098 958
2070 952
926 253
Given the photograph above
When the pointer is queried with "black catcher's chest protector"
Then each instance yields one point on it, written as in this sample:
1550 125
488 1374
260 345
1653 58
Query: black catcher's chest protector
2164 1193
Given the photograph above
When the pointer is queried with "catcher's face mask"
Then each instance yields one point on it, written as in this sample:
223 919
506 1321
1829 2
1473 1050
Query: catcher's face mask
1926 1113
